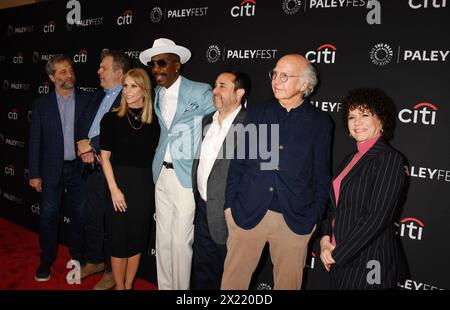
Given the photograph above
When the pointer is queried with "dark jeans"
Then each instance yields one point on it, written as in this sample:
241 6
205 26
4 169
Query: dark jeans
73 184
208 256
97 200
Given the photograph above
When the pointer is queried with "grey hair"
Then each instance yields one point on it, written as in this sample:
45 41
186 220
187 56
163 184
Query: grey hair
50 66
311 75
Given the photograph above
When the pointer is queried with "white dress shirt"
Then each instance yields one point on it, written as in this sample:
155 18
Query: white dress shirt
211 145
168 101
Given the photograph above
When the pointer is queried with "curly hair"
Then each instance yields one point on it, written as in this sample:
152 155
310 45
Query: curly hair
374 101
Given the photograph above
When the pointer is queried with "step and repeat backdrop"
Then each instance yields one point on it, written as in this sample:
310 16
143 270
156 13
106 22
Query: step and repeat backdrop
399 46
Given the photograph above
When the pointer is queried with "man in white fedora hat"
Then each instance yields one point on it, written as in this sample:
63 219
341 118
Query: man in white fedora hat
180 105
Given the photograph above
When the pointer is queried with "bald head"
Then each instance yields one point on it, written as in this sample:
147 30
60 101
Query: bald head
297 61
300 78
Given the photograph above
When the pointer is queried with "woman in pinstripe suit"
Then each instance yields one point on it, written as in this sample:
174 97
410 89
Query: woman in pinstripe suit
359 246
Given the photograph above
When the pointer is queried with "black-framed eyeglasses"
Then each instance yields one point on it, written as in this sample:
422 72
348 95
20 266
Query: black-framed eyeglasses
162 63
273 75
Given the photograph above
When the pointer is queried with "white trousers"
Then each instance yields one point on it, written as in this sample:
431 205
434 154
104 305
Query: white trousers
175 210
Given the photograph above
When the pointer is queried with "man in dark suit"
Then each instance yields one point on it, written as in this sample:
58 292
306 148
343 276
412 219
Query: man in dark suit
209 174
54 167
113 66
278 192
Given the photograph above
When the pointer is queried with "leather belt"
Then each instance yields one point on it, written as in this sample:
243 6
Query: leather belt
167 165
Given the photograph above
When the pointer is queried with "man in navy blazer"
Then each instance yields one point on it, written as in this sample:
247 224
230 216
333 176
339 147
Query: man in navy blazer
54 167
278 188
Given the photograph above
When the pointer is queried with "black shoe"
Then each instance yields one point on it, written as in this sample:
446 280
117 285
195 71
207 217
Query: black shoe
43 272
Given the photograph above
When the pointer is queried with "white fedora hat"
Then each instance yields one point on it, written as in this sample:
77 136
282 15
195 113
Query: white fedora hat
162 46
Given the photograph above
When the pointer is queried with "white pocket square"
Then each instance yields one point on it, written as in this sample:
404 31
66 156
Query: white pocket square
191 106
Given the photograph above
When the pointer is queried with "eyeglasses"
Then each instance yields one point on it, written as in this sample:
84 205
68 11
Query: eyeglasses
273 75
162 63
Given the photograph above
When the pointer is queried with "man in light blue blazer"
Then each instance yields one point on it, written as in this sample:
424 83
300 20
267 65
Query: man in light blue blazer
180 105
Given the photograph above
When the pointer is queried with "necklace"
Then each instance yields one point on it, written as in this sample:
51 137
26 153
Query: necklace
129 122
135 116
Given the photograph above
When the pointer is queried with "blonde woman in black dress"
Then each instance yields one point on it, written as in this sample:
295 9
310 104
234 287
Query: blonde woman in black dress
128 141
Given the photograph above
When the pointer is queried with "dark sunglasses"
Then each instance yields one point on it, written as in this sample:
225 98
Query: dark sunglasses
162 63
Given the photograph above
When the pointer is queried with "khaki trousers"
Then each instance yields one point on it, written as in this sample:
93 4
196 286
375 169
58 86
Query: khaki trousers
288 252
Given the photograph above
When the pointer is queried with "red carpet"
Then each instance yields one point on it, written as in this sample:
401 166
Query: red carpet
19 258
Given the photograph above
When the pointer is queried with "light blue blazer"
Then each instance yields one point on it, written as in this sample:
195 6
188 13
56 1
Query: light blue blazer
194 101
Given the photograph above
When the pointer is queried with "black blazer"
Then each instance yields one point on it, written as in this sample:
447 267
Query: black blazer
364 221
216 182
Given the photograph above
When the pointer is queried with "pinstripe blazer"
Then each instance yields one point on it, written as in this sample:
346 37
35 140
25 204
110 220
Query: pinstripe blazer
366 241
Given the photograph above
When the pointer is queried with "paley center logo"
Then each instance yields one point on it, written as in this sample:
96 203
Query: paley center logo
87 89
381 54
411 228
12 142
291 7
157 13
49 27
41 57
325 53
213 53
424 55
414 285
422 113
327 106
244 9
428 173
126 18
73 17
424 4
327 4
11 30
132 54
81 56
14 86
12 197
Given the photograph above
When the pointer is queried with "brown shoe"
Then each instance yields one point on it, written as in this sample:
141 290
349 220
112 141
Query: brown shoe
106 283
90 269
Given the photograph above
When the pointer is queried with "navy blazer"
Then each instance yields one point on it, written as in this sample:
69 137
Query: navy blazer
364 220
46 153
89 113
302 179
